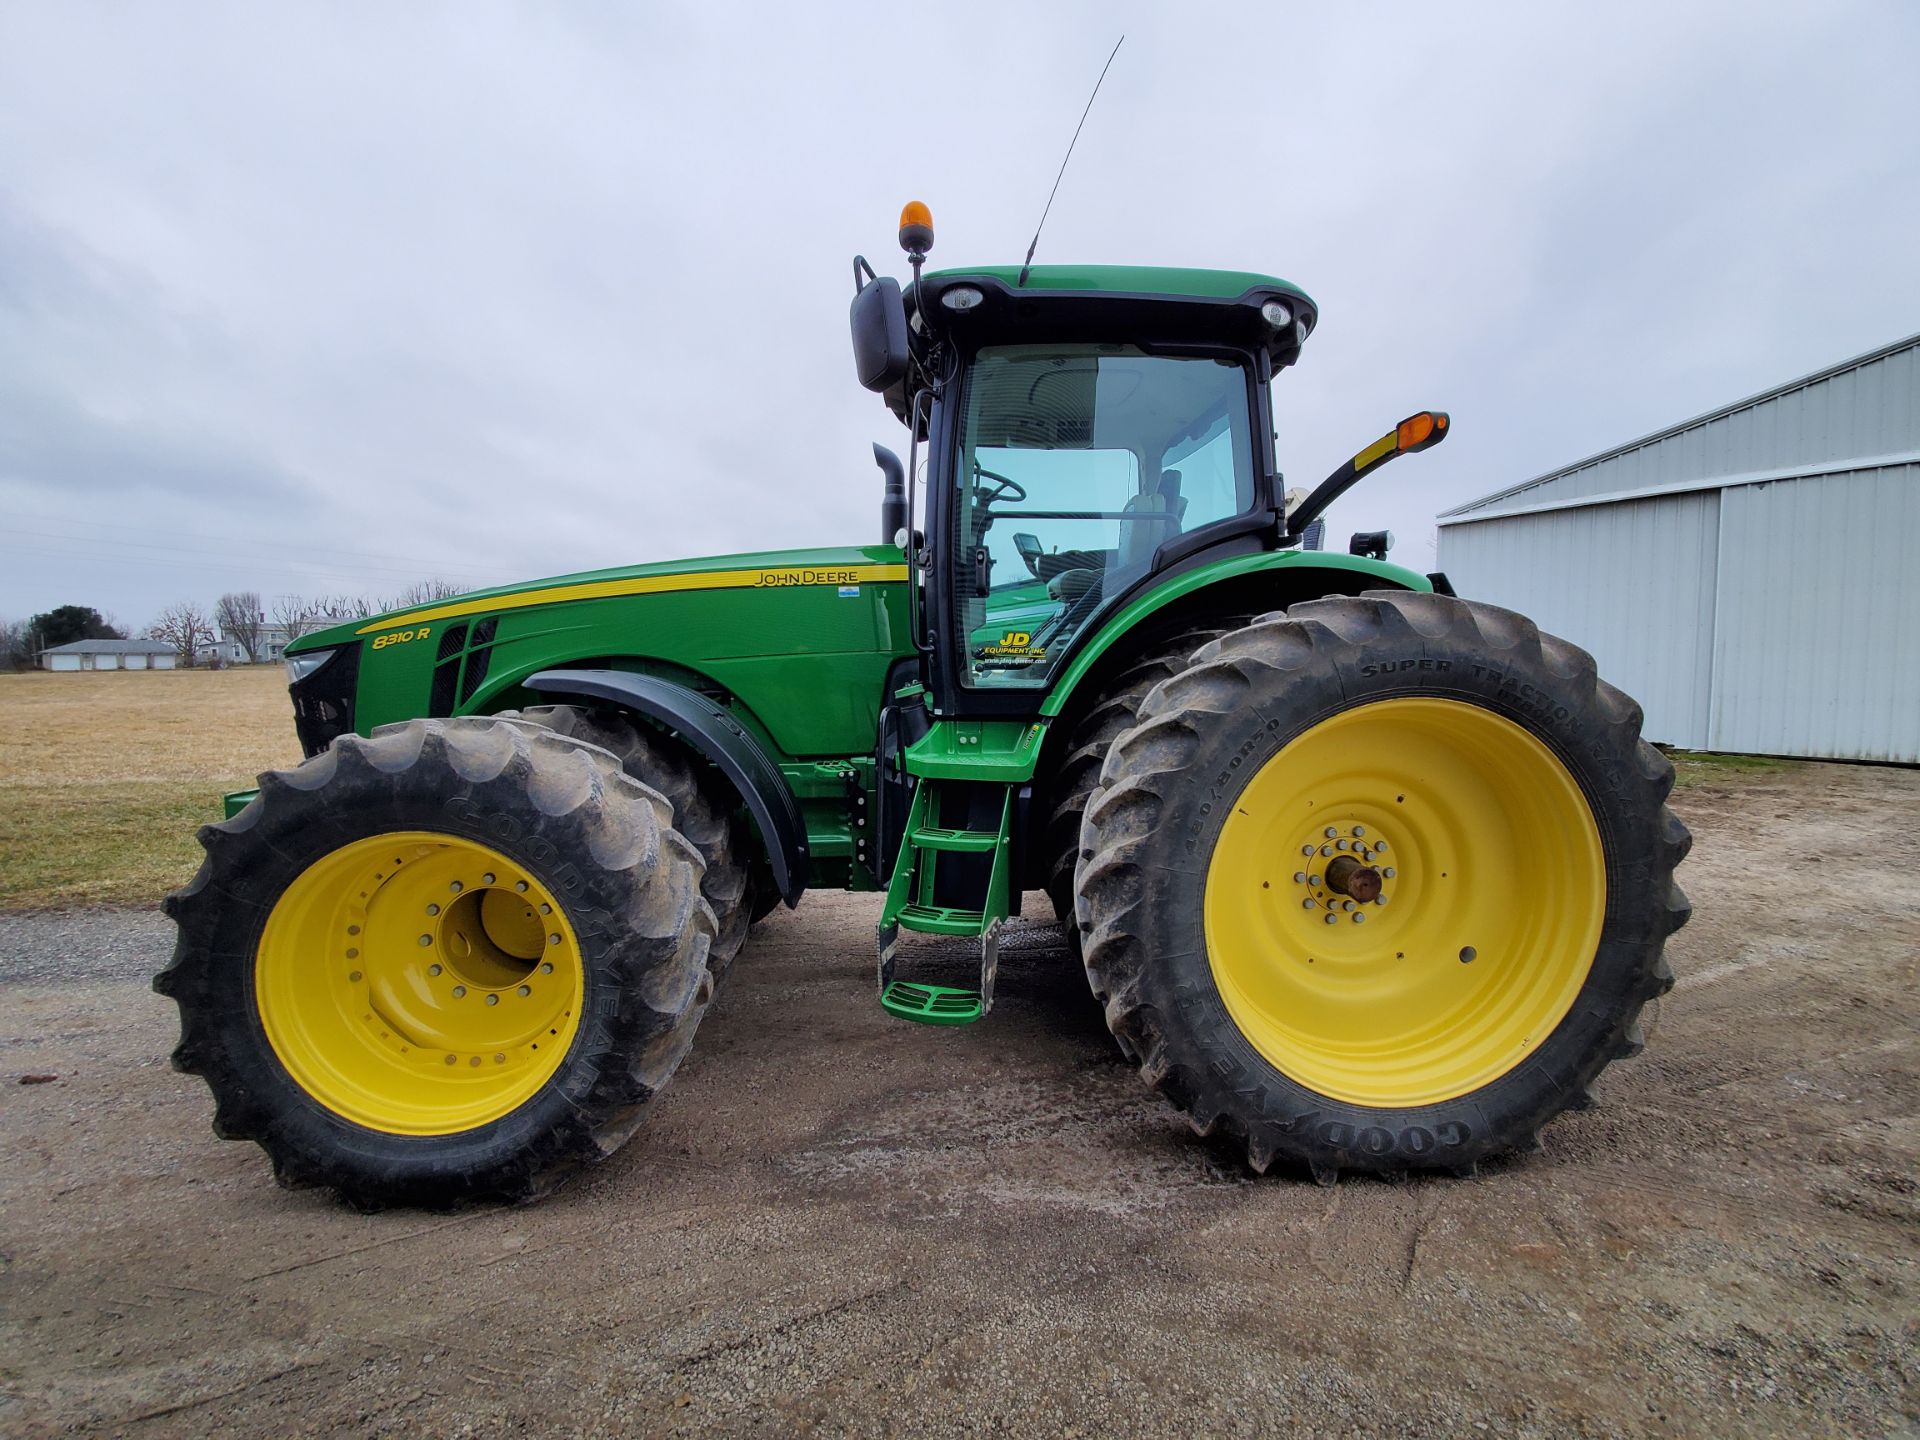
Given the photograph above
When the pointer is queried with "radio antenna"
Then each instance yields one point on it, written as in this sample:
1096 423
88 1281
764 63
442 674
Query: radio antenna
1028 265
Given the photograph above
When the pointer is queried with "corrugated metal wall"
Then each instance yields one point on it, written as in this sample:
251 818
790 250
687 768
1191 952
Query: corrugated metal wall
1816 646
1779 618
1633 583
1867 407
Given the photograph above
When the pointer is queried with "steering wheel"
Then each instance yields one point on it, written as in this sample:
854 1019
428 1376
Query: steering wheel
1004 489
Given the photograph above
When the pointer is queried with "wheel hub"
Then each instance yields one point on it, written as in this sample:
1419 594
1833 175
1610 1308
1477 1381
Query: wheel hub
1345 870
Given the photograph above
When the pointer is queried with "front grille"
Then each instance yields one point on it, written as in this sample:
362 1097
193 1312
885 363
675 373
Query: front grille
477 659
446 671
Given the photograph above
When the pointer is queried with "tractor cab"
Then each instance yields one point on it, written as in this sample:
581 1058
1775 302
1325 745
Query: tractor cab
1089 429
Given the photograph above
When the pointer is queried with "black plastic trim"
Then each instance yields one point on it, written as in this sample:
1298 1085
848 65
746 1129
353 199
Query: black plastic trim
721 739
323 701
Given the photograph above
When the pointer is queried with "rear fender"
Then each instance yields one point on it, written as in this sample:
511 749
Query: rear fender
711 731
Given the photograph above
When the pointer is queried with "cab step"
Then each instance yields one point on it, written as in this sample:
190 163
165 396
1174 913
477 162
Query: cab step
972 842
931 1004
941 920
969 900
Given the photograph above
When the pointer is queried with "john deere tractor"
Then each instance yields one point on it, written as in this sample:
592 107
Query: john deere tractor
1366 876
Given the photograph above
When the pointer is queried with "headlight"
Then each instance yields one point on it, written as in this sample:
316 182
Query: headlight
299 667
962 297
1276 314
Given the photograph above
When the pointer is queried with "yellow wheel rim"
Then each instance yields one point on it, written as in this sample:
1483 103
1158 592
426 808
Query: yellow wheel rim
1492 892
419 984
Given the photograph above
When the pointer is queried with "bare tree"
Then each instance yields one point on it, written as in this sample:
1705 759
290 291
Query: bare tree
295 615
330 608
185 627
423 592
240 619
16 644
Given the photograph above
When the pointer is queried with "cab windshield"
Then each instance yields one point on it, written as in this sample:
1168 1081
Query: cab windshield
1077 463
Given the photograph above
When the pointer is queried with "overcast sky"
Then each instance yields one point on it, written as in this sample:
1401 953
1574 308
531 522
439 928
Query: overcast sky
317 298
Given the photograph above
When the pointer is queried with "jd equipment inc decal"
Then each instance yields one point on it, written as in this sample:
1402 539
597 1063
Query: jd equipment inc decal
1015 645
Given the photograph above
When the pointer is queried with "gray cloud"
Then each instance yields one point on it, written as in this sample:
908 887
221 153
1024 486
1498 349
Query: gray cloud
314 297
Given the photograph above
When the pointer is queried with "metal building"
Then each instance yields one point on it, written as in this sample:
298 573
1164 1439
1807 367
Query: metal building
1751 576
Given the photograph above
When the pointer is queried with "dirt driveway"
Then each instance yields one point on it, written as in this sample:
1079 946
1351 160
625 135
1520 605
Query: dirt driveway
838 1223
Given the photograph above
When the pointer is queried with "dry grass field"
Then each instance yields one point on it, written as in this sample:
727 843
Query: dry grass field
105 777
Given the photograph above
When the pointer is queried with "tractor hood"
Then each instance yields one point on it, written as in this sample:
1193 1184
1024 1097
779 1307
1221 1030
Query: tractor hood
836 566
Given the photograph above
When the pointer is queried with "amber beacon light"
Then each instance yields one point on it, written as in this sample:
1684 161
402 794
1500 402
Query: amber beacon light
916 228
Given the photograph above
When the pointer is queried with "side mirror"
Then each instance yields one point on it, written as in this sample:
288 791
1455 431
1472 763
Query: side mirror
878 317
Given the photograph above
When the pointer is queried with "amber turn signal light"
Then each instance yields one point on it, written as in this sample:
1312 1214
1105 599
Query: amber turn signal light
1417 432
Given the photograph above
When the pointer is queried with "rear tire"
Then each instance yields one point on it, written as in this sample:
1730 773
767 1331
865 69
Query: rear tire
1117 710
446 963
698 813
1527 816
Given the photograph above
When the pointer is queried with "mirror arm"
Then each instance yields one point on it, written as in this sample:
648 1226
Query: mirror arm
922 642
1405 438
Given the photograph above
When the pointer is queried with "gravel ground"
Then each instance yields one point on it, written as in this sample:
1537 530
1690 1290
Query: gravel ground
837 1223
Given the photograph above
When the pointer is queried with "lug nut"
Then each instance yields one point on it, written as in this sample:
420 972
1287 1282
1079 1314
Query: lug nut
1330 832
426 939
1308 905
433 909
1359 830
495 999
459 992
1387 873
1333 919
1359 919
1299 877
433 969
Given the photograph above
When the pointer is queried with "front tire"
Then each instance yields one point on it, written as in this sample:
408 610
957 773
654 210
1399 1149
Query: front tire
700 814
1504 859
448 962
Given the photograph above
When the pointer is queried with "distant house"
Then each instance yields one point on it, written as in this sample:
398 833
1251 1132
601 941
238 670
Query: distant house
271 648
109 655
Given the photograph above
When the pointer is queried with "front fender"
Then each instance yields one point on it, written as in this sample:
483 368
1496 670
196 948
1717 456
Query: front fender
718 737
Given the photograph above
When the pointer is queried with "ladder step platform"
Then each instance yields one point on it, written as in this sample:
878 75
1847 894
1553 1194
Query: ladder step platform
950 880
932 1004
975 842
941 920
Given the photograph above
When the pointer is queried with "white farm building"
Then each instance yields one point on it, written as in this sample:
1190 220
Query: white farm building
109 655
1751 576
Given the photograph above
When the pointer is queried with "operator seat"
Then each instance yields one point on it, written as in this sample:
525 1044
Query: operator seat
1150 519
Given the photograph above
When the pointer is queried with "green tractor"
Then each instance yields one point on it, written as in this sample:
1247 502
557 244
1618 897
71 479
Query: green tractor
1367 877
